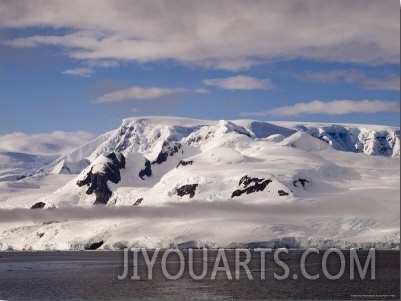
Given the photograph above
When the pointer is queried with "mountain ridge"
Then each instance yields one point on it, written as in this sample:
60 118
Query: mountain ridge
287 127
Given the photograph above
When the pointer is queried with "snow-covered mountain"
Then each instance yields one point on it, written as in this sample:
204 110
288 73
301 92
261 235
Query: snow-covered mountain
214 182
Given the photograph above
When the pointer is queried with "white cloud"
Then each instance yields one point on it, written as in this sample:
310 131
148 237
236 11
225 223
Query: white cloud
103 63
239 82
384 82
88 70
232 35
388 83
145 93
82 72
48 143
139 93
335 107
202 91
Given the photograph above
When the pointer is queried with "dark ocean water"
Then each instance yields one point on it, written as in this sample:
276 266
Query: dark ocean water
92 275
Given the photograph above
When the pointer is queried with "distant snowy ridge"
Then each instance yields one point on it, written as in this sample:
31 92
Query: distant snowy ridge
370 140
22 154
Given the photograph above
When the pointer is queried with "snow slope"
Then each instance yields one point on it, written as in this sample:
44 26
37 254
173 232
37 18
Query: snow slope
168 180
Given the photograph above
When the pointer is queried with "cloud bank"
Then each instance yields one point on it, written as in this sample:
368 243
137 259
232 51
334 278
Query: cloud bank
139 93
388 82
335 107
82 72
239 82
52 143
202 210
232 35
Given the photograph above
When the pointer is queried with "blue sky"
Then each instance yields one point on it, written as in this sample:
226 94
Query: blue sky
69 65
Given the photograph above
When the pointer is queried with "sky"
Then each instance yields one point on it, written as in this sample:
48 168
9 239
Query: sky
84 65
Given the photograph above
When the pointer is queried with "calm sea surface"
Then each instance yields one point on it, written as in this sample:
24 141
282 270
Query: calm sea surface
92 275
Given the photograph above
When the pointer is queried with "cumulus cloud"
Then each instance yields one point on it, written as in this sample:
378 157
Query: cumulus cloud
139 93
89 67
82 72
387 82
335 107
233 35
239 82
145 93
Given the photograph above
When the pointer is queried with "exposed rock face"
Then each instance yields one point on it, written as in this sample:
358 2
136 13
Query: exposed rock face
198 138
168 150
250 185
184 163
138 201
38 205
94 246
147 171
300 182
96 179
187 190
188 245
282 193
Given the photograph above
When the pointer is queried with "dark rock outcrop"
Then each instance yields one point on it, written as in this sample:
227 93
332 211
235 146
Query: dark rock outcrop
184 163
147 171
168 150
198 138
243 133
38 205
282 192
188 245
50 222
300 181
250 185
187 190
138 202
97 182
94 246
